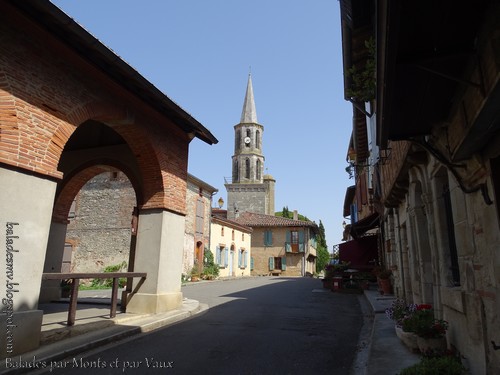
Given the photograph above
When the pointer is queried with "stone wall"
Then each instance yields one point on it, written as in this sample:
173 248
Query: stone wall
100 231
247 197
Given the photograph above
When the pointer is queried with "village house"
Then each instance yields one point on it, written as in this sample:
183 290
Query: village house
230 244
424 80
281 246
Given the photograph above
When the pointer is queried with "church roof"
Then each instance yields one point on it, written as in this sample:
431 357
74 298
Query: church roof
249 113
252 219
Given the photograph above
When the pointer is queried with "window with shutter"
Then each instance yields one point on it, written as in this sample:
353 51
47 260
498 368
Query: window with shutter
271 263
200 218
245 259
288 245
217 255
251 264
301 241
226 257
239 259
283 264
268 238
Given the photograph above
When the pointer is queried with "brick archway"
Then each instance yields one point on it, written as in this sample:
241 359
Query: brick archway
73 184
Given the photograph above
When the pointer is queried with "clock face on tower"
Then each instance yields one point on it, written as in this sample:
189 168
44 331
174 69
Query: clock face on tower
247 140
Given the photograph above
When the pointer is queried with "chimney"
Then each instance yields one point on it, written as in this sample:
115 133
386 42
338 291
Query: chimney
295 215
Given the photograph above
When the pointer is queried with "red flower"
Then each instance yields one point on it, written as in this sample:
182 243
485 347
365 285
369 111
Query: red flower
424 307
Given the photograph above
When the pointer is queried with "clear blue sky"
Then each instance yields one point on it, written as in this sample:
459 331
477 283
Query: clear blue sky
199 53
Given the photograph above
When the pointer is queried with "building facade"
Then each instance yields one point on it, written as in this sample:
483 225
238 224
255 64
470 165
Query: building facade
281 246
434 112
230 244
198 221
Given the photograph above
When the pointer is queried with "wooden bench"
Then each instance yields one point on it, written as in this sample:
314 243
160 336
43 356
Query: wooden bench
75 277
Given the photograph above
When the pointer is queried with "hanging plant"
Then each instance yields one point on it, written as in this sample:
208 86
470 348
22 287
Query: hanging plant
363 83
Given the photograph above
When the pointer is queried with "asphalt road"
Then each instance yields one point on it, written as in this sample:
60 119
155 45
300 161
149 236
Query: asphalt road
265 325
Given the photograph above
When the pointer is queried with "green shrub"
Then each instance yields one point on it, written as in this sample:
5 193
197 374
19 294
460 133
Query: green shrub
108 283
447 365
209 266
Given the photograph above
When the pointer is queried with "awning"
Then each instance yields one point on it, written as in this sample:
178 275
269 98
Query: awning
362 253
362 226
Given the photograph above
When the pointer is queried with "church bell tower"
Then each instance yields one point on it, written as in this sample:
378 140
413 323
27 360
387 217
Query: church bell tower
249 189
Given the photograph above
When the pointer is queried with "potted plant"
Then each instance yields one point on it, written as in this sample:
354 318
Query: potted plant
195 273
401 312
327 279
337 271
431 332
384 281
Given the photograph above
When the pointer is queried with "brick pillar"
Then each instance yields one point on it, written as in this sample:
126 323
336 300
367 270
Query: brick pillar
26 209
160 239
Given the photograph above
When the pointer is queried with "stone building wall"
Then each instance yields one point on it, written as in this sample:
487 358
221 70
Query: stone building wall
247 197
194 243
100 230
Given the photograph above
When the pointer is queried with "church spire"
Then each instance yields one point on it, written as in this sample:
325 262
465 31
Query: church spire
249 114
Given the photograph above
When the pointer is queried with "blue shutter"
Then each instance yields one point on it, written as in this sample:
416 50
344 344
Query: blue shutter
268 238
288 247
226 257
245 259
301 241
251 264
239 258
217 255
283 263
271 263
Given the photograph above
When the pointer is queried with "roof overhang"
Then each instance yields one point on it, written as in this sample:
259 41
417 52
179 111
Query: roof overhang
63 28
424 49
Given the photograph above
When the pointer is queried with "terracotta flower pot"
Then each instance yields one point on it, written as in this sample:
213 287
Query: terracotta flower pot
385 286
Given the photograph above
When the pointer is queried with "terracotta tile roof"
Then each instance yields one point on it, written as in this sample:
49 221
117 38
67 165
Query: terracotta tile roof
260 220
232 224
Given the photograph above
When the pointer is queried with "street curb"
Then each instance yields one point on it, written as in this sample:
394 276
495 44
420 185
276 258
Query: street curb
128 327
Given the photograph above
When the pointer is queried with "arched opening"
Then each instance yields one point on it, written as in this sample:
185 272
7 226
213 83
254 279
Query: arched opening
94 218
236 171
100 229
247 168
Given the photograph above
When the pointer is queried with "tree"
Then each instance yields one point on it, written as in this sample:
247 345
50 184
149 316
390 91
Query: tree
285 213
322 254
